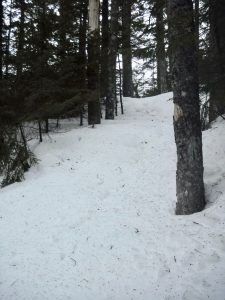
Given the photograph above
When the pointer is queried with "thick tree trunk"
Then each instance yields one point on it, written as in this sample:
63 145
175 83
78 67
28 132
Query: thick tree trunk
1 39
126 49
160 48
94 110
217 53
187 126
111 98
82 50
105 48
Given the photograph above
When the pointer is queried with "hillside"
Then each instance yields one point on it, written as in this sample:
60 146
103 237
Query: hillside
95 219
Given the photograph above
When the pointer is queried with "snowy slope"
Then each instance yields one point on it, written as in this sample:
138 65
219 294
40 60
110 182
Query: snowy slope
95 219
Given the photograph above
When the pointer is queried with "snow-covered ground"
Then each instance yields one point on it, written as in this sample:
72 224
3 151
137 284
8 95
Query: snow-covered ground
95 219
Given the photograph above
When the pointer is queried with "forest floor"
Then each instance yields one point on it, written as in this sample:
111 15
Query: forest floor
95 219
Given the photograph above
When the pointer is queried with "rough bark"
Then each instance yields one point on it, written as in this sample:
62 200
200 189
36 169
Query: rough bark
94 110
82 50
105 48
126 49
111 98
1 39
160 47
187 126
217 58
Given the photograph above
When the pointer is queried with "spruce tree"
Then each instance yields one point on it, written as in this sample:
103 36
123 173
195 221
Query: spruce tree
160 47
94 110
113 48
187 126
1 39
127 48
104 48
217 58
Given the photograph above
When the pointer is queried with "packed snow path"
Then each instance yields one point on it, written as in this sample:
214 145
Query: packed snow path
95 219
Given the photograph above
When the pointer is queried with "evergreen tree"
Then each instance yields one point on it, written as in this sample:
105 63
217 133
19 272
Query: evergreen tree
21 40
187 126
1 39
217 58
105 48
111 91
82 51
94 111
160 47
126 48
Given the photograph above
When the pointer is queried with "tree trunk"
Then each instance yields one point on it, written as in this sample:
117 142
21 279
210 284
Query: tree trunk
8 40
217 58
197 23
82 51
111 98
160 48
82 43
187 126
120 88
43 32
20 49
40 132
1 39
169 48
105 48
64 9
126 49
94 110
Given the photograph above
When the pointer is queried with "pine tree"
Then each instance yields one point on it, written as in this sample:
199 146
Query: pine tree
21 41
94 111
82 51
126 48
187 126
1 39
217 58
160 47
104 48
111 91
82 43
197 20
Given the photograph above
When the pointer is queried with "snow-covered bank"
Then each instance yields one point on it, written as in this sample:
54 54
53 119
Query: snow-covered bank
95 219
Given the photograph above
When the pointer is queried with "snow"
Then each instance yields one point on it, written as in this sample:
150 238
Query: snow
95 219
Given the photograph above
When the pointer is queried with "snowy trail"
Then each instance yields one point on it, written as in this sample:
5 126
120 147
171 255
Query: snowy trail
95 219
